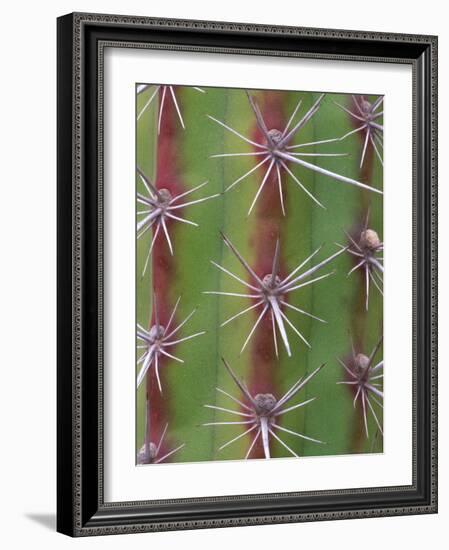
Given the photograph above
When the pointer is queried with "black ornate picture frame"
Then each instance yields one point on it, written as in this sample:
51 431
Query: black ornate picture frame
81 508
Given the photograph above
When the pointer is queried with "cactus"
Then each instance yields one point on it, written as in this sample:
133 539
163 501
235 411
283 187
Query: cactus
252 208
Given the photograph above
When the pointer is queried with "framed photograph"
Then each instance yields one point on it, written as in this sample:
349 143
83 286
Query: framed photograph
246 274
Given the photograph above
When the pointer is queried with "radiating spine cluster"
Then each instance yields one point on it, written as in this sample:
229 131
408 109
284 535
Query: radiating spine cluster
156 342
269 292
364 379
261 412
365 250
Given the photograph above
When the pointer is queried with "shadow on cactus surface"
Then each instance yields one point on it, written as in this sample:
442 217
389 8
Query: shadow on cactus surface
259 231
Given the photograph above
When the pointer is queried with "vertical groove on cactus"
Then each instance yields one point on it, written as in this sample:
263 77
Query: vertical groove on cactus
267 230
359 324
360 319
163 270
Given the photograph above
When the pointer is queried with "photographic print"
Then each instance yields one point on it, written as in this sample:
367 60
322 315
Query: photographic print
259 269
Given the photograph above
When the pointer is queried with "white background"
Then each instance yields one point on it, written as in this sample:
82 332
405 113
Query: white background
27 303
